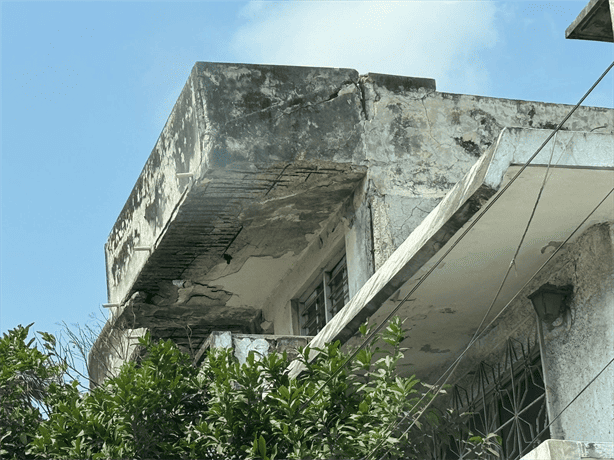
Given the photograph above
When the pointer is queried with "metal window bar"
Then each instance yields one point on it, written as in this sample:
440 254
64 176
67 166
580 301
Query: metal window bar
338 285
325 301
507 399
313 312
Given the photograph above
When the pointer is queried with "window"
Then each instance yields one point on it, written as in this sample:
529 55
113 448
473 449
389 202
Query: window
324 300
508 399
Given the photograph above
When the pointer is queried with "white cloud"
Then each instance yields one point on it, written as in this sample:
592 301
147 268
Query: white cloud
433 39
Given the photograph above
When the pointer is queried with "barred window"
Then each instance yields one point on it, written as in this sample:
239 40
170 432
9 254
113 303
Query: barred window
319 304
507 399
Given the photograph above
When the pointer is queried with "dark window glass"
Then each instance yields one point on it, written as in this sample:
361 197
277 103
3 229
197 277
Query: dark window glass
313 317
338 285
331 293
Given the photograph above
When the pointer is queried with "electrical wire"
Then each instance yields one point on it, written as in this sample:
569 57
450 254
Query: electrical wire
454 244
492 304
512 262
454 365
565 408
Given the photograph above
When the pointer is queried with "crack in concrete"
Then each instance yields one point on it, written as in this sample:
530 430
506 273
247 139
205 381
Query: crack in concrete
333 96
197 296
284 107
417 207
363 97
428 123
369 96
563 150
427 94
213 288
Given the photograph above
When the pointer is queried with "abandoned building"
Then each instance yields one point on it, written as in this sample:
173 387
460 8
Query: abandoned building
282 205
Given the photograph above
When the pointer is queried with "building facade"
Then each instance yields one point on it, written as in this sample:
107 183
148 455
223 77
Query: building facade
287 205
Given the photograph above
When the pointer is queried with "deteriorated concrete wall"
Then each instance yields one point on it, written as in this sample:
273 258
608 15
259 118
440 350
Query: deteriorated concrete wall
262 173
420 143
580 344
115 346
244 344
554 449
574 348
229 138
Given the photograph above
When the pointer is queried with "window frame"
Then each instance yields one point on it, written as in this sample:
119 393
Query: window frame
322 282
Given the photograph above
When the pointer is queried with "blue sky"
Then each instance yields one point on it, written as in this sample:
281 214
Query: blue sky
87 88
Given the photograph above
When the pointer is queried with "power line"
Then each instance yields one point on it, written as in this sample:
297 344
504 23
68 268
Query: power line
454 244
512 262
454 365
565 408
477 332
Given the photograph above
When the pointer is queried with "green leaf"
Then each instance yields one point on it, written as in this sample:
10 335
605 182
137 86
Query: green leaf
262 446
363 407
284 392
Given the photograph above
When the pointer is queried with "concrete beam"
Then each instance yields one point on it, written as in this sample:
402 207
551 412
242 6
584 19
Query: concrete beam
593 23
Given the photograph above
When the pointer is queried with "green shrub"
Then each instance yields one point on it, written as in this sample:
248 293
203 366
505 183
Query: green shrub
26 374
164 407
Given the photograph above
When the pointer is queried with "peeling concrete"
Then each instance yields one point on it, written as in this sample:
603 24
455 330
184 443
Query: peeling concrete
262 173
244 344
554 449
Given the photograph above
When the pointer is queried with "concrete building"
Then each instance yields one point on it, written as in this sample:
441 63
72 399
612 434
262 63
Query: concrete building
283 205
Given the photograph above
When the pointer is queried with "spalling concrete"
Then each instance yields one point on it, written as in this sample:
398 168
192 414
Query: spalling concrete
264 174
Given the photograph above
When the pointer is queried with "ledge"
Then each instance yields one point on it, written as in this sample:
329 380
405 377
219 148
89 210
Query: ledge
558 449
238 135
593 23
243 344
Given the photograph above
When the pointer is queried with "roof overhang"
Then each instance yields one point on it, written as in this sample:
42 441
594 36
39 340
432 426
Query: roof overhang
447 307
247 148
593 23
254 164
250 166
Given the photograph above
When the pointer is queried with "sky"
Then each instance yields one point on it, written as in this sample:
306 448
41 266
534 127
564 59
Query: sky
87 88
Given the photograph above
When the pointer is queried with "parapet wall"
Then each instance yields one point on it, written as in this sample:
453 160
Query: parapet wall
244 344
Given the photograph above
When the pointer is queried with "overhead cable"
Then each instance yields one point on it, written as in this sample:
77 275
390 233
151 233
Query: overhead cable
488 205
512 262
450 370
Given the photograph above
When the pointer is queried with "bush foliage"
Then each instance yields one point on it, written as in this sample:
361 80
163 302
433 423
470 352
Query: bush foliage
164 407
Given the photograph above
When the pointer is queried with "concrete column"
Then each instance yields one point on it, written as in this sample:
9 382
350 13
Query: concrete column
579 345
359 250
